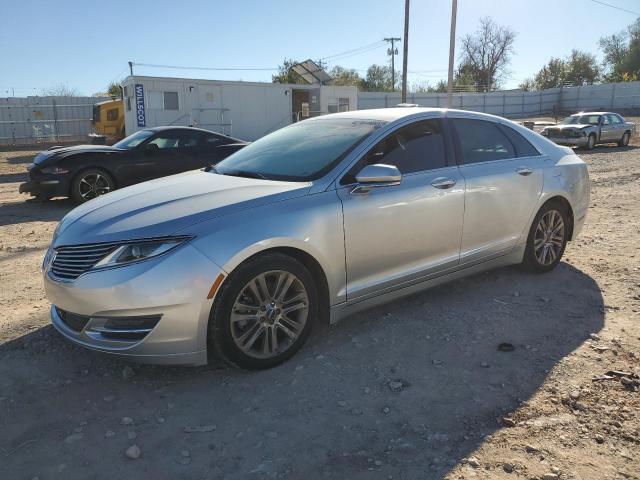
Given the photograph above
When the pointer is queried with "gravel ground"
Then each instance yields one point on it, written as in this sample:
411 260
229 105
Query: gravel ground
414 389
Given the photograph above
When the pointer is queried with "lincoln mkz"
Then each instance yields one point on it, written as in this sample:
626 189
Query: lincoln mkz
311 223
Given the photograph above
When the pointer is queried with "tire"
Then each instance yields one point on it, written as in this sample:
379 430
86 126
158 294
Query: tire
591 142
540 238
90 184
624 141
244 320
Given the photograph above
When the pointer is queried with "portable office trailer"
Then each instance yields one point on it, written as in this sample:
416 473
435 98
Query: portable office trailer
246 110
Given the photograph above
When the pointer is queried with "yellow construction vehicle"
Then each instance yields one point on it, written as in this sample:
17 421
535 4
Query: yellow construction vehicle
108 121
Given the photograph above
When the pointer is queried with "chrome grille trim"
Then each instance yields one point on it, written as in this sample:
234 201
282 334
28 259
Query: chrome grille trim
72 261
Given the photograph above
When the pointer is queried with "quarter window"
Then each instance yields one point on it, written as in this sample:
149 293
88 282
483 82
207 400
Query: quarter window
414 148
482 141
523 147
171 100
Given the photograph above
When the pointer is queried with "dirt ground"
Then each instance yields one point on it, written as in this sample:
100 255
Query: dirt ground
417 389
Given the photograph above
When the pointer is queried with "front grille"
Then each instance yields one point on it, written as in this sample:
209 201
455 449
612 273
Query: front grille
72 320
71 262
557 133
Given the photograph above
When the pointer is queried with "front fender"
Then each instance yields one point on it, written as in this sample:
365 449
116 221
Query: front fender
312 224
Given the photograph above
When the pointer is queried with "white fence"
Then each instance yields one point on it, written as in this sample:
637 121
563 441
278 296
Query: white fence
45 119
611 96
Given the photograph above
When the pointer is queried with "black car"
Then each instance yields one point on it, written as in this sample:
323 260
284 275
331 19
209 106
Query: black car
86 171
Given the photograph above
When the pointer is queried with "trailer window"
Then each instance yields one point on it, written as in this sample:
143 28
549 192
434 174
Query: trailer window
171 101
112 114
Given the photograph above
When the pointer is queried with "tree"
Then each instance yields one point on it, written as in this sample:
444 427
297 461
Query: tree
486 54
342 76
621 53
113 90
378 79
285 74
581 69
60 90
552 75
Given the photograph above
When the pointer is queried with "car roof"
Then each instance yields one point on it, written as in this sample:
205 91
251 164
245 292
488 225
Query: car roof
593 113
189 129
396 113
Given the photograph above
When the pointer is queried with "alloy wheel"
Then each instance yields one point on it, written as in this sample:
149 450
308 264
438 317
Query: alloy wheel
269 314
548 240
93 185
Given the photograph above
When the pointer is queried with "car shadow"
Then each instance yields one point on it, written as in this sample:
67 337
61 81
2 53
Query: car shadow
332 411
14 177
12 213
20 159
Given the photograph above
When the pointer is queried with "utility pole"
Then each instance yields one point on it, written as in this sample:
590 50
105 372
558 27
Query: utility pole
452 48
131 68
405 51
393 51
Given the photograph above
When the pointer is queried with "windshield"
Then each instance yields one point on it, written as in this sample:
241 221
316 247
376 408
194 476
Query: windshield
132 141
581 120
303 151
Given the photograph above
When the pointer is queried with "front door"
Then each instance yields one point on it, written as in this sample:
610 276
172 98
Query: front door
401 234
503 175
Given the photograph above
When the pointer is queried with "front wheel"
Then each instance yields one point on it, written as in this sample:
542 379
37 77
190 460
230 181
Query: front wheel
263 312
624 141
90 184
547 238
591 142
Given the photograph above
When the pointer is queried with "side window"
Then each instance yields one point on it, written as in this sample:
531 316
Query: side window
170 100
605 120
523 147
482 141
212 140
615 119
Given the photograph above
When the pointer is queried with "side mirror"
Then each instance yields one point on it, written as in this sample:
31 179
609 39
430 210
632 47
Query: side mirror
378 175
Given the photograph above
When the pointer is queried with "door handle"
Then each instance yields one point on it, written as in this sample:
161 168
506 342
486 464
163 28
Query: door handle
443 182
524 171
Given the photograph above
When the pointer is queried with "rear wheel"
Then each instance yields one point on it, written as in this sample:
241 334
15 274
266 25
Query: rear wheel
264 312
624 141
547 238
90 184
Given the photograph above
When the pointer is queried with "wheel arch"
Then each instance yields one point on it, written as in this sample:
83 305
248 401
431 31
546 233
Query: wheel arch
567 205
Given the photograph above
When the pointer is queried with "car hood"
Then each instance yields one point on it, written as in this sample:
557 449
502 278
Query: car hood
570 126
67 151
161 207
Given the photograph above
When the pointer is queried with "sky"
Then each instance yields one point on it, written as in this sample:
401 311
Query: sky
86 44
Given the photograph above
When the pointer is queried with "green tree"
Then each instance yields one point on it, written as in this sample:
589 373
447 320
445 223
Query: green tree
581 68
343 76
486 54
378 79
621 53
285 74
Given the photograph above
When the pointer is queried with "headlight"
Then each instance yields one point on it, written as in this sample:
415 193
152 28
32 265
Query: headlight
54 170
544 132
137 251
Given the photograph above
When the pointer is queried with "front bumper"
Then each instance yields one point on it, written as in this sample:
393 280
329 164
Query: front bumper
173 287
570 141
46 186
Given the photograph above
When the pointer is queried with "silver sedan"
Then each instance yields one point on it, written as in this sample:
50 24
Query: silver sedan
315 221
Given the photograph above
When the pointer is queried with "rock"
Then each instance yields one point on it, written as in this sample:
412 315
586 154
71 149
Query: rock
127 372
508 422
506 347
599 438
367 390
484 364
574 395
594 336
378 463
133 452
531 449
73 438
126 421
473 461
131 435
507 467
200 429
185 453
109 398
109 434
396 386
385 410
342 403
436 362
550 476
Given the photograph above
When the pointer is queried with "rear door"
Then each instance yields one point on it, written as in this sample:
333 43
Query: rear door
617 127
503 175
400 234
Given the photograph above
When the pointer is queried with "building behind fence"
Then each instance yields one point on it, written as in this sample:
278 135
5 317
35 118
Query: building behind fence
59 119
517 104
45 119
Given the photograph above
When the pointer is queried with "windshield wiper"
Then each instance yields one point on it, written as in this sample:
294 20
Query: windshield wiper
244 173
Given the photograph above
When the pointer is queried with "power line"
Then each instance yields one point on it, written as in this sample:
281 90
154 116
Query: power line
379 43
393 51
616 7
182 67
